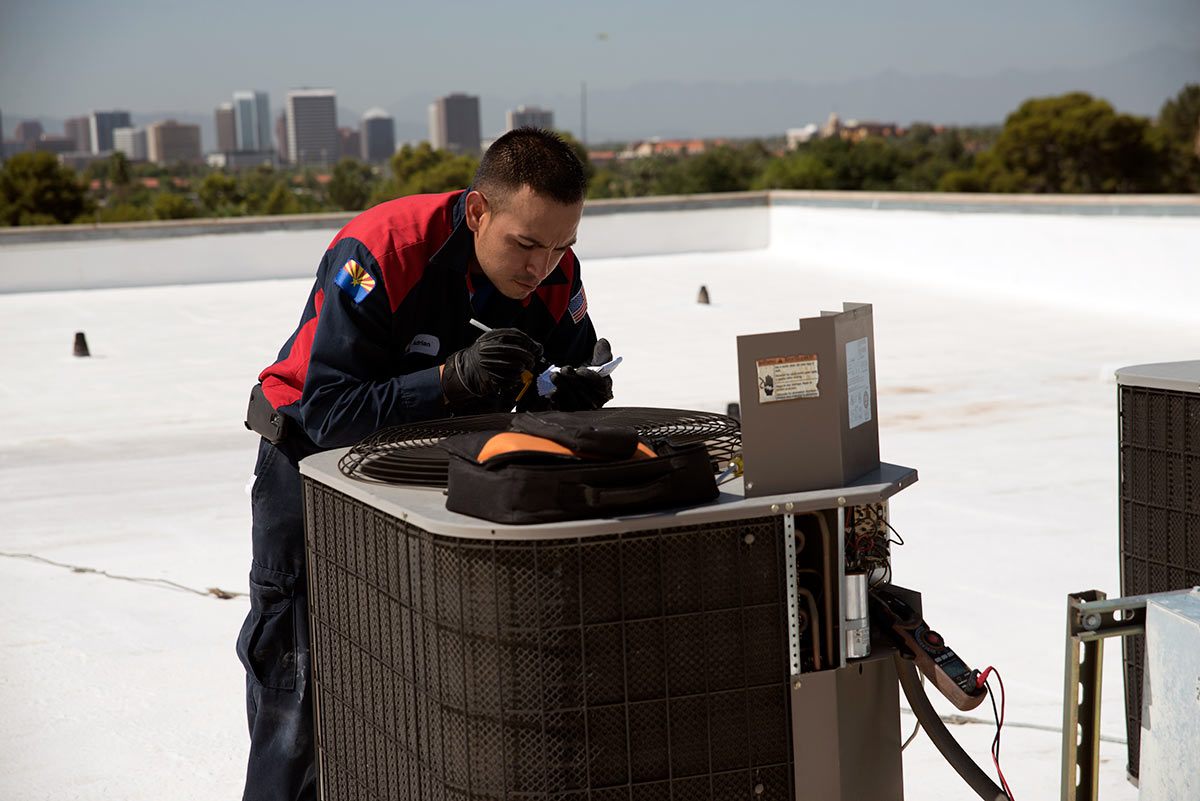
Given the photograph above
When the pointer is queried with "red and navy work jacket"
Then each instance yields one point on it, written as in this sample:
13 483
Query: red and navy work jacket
392 299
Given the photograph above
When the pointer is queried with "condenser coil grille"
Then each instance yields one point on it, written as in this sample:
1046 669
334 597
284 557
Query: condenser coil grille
1160 514
408 454
645 666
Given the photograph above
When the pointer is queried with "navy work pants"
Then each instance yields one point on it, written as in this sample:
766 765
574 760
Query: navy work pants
274 641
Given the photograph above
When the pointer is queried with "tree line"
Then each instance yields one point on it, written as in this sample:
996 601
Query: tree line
1072 143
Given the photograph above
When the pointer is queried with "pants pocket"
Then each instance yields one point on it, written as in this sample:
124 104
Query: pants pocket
267 642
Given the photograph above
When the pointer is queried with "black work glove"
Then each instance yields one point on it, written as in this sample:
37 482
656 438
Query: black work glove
578 388
493 364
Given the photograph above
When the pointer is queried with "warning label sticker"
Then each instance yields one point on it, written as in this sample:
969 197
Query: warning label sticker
783 378
858 381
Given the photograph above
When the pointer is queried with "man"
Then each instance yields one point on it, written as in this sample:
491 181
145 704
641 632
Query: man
386 338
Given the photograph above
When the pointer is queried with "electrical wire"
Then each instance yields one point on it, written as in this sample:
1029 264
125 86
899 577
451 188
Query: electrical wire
980 681
917 727
971 773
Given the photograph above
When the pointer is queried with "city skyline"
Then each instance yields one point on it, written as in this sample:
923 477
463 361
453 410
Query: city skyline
633 58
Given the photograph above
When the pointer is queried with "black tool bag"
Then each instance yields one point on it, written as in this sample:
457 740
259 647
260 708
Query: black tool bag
551 466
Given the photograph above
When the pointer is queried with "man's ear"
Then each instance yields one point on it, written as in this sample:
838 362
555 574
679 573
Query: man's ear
477 206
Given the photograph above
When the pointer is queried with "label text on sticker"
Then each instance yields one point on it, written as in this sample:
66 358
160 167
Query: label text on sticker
783 378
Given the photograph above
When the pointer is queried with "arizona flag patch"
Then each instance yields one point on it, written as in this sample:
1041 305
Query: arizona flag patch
355 281
578 305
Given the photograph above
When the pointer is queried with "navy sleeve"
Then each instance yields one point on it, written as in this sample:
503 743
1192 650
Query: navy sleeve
349 391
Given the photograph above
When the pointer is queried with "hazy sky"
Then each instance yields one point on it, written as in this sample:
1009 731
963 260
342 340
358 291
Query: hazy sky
65 57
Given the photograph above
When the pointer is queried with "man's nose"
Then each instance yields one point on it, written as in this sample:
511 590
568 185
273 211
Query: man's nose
542 262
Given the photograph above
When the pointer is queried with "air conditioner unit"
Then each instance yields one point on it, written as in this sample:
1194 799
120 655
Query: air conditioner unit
1159 411
692 654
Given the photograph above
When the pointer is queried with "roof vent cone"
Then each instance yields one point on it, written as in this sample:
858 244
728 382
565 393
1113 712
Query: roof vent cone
81 348
703 296
1159 417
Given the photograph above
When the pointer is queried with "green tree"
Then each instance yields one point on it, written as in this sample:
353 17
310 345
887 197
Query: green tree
119 175
220 194
1072 143
422 169
1179 117
1179 122
351 184
408 160
281 200
798 170
170 206
123 212
35 189
256 185
383 191
720 169
454 173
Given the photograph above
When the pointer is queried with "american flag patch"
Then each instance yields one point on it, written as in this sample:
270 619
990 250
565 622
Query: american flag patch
578 305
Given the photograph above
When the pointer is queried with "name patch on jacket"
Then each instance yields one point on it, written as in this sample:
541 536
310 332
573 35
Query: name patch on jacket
578 305
355 281
424 343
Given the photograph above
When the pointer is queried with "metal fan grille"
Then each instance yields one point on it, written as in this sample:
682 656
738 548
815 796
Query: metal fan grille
408 454
644 666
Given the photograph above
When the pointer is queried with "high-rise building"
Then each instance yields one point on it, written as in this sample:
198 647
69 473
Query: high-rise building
226 130
79 129
132 142
169 141
252 120
312 126
281 136
101 125
349 143
27 132
529 116
378 136
454 123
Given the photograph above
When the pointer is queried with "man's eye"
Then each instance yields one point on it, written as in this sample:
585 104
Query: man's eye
524 246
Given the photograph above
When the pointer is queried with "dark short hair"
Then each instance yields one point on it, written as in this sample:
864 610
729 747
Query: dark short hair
533 157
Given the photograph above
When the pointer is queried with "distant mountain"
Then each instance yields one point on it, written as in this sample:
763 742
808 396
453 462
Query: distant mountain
1138 84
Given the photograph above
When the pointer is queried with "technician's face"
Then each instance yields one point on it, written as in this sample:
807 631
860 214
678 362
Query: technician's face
519 241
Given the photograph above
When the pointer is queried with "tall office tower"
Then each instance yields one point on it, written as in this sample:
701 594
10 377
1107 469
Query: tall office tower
80 130
101 125
169 141
132 142
378 136
28 132
312 126
281 136
454 124
226 131
531 116
252 118
349 143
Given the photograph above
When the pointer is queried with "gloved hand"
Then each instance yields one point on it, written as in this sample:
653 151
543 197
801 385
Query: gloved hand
578 388
491 365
